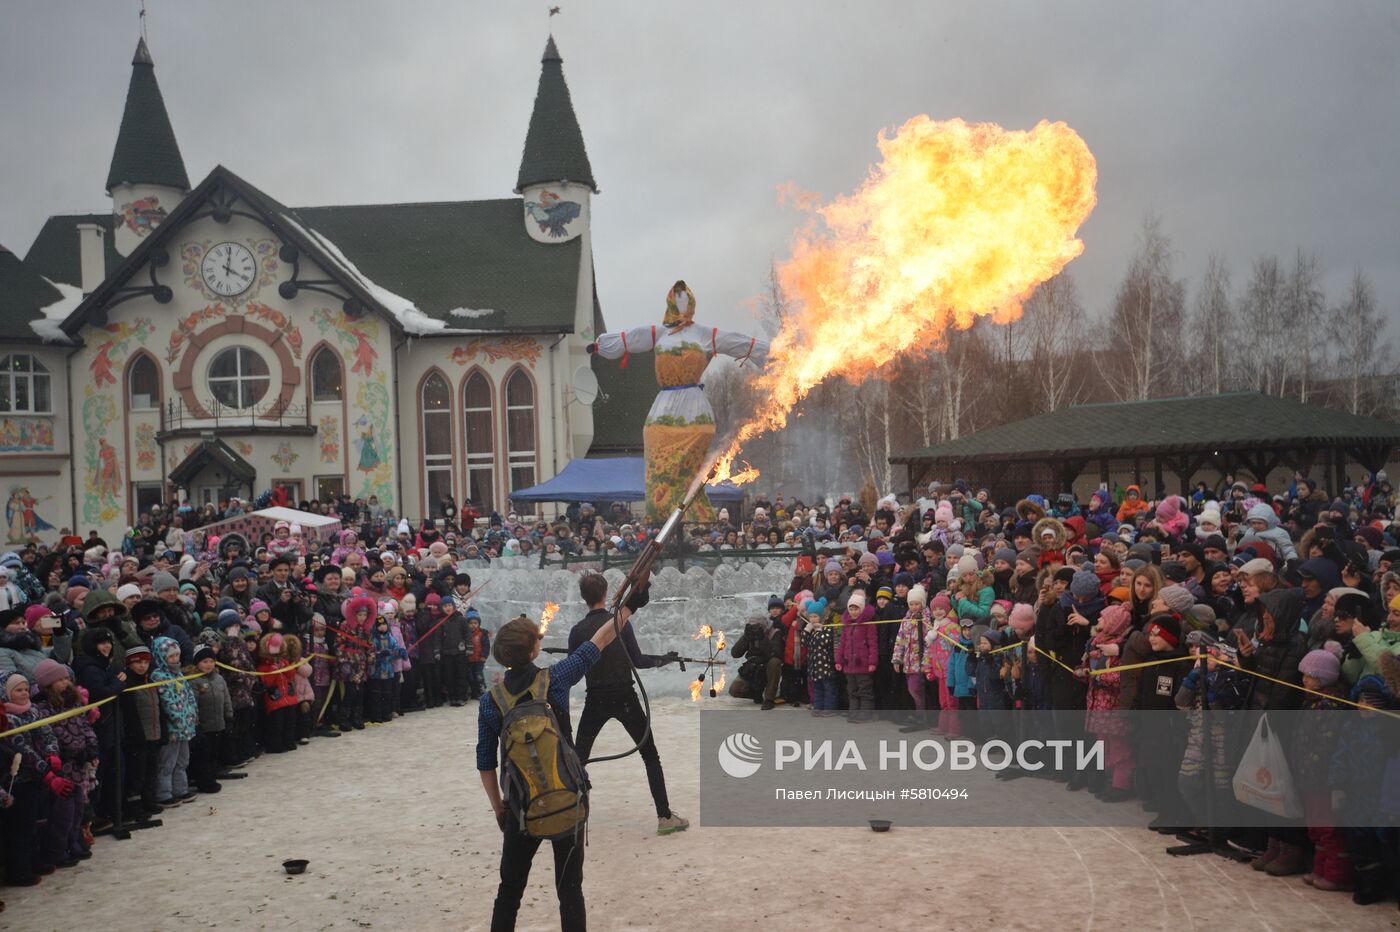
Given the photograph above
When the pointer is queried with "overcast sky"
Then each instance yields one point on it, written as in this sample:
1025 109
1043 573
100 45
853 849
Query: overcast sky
1248 127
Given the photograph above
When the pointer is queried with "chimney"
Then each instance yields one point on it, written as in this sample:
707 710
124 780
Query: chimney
91 256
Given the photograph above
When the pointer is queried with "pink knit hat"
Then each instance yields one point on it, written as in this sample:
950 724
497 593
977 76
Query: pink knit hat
1022 618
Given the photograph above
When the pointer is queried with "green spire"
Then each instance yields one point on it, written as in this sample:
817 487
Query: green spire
146 150
554 145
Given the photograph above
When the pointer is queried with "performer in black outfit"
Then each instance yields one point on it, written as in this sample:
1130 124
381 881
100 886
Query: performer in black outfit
611 695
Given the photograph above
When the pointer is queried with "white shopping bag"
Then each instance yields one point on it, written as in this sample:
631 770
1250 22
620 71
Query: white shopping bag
1263 780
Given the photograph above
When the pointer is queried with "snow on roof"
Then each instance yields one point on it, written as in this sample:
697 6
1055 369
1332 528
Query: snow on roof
293 516
405 311
49 326
471 312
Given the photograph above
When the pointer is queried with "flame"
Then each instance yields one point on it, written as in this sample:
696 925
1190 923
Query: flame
704 632
719 683
719 645
695 691
959 221
550 610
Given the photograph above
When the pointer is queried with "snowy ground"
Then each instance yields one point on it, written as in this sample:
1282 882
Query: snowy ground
400 837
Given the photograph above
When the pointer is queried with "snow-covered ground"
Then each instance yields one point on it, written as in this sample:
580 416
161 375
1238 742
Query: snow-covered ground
400 836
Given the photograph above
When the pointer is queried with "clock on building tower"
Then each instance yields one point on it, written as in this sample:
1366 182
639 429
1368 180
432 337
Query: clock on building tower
228 268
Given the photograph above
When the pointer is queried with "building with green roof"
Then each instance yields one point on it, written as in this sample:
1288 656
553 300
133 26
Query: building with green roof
1163 445
417 354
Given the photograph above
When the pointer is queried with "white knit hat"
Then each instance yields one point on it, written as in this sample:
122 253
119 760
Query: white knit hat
917 594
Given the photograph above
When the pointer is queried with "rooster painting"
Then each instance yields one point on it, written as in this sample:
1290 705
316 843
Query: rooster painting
142 215
552 214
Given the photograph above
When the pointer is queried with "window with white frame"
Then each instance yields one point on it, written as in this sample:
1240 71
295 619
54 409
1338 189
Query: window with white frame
24 385
520 430
437 442
143 384
327 376
481 445
238 377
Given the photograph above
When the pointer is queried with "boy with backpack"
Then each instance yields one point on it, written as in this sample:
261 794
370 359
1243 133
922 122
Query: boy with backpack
527 717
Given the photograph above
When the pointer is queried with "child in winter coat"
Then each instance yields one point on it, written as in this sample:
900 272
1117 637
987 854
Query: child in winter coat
215 715
478 649
142 722
856 656
62 844
179 716
1158 750
819 645
962 682
279 695
1315 741
240 742
1100 716
939 649
301 686
909 647
352 655
1225 689
38 774
322 676
409 632
991 691
384 652
390 609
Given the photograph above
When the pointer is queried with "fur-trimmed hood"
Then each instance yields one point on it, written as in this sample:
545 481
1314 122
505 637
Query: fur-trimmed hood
1029 510
1050 524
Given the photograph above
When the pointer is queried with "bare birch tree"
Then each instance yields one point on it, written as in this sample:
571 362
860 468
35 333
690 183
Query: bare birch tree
1146 321
1054 328
1303 309
1364 364
1213 325
1263 331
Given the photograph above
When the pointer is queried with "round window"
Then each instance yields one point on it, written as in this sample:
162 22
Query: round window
238 377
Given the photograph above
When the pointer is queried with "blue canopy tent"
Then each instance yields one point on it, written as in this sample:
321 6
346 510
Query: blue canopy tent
609 479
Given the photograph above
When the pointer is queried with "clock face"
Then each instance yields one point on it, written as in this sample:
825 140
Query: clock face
228 268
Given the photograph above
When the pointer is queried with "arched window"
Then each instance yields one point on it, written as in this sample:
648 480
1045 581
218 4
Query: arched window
437 442
143 384
327 376
481 442
520 430
24 385
238 377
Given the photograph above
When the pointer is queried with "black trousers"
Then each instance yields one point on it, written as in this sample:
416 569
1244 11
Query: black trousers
352 706
517 854
381 700
19 830
204 758
432 684
280 730
139 778
408 691
476 679
624 706
454 674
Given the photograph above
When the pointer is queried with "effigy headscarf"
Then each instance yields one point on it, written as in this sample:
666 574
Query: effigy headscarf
680 307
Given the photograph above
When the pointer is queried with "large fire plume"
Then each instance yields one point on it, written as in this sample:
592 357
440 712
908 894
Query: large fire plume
959 221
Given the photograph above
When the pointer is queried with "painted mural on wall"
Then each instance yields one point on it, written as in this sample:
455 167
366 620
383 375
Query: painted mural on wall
142 215
145 436
373 441
22 521
189 325
114 345
26 435
328 432
244 447
102 490
553 213
494 349
356 335
278 321
264 251
285 456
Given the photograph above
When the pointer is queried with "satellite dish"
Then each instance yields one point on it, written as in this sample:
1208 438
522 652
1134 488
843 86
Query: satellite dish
585 385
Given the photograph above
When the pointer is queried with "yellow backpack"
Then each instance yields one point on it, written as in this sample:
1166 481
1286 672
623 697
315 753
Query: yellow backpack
542 780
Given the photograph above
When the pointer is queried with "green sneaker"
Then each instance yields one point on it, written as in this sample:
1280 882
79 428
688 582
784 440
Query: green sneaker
671 824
